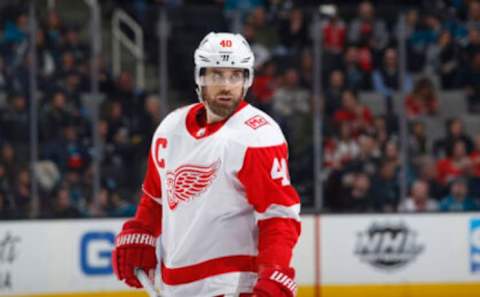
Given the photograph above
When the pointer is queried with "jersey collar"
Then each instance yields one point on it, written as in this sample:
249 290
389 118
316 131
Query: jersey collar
196 121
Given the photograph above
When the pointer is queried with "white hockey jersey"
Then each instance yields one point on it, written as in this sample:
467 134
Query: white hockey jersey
217 184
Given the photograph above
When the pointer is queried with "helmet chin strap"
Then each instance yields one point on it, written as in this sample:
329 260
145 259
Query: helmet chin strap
199 94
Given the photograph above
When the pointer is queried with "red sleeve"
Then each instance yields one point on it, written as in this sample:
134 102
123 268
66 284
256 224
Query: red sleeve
149 210
151 182
446 171
267 185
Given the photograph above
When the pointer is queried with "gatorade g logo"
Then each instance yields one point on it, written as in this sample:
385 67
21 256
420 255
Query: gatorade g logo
96 253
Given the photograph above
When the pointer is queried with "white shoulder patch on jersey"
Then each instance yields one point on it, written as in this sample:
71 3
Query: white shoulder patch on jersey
254 128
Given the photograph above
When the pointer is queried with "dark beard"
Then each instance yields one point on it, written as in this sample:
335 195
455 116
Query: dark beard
220 109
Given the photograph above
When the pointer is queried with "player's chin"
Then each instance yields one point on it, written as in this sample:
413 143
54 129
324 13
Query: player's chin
224 109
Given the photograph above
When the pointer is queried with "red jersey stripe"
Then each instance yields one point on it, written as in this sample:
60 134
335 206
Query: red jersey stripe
188 274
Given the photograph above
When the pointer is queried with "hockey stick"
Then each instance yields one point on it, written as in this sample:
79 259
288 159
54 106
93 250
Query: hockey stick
146 283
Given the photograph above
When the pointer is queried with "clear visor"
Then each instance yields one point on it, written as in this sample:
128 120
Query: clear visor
218 79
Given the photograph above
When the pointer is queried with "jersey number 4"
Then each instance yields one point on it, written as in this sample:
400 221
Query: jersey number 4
280 171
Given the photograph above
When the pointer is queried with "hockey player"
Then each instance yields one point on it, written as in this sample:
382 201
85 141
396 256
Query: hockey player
217 191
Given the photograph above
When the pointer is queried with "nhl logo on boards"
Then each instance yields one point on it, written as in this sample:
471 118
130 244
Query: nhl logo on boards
189 181
256 122
388 246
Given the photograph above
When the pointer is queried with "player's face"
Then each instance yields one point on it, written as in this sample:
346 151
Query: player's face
222 90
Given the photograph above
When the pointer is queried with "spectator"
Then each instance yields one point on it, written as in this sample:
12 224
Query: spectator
383 129
369 158
474 182
385 187
293 33
346 147
411 24
69 151
264 85
426 170
45 58
261 52
127 93
473 19
103 206
6 197
386 78
291 108
115 115
354 112
56 115
290 98
365 27
67 64
456 165
73 44
47 175
475 156
356 193
458 200
54 30
421 40
10 162
16 33
422 100
63 208
391 153
77 188
419 144
455 131
15 122
22 196
265 33
334 33
73 86
355 75
470 47
306 69
4 79
5 212
148 122
243 7
334 92
419 200
443 58
471 83
5 183
121 207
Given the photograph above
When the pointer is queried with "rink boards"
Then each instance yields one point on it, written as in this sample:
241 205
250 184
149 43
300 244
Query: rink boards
343 255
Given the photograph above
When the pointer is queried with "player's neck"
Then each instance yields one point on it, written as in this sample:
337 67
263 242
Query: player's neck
213 117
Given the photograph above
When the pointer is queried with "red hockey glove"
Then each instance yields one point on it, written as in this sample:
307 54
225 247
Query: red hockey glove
275 282
134 247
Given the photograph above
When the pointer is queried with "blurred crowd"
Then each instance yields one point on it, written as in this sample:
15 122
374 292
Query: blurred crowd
128 118
361 151
362 163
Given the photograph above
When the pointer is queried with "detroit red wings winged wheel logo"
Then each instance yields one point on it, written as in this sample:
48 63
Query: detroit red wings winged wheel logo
189 181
